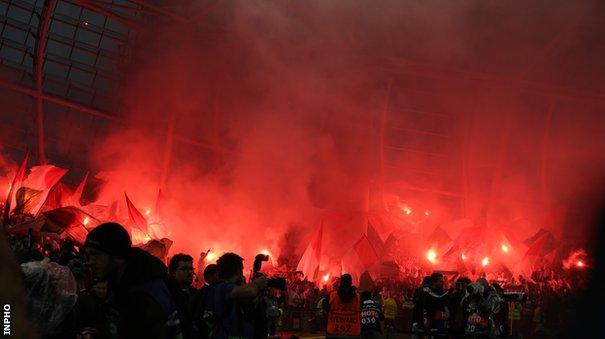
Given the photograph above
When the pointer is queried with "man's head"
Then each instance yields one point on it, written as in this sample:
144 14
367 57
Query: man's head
346 280
107 247
181 268
462 283
437 281
230 266
211 274
100 289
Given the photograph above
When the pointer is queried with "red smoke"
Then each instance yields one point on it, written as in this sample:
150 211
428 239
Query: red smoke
276 110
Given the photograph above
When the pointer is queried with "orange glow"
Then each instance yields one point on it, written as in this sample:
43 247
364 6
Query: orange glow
139 237
266 252
485 262
431 256
86 221
210 256
326 277
463 256
504 248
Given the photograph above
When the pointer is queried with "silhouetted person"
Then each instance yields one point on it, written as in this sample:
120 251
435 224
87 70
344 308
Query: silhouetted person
418 313
233 300
201 306
371 317
343 308
180 269
435 304
142 306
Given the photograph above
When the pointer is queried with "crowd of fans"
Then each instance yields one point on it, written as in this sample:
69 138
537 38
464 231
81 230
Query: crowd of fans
107 288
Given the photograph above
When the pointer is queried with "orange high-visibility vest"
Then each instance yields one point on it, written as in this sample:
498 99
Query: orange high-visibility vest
344 318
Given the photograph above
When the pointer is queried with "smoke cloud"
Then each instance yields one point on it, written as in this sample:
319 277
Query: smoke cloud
277 108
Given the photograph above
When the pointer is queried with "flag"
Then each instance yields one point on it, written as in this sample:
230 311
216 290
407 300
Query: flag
26 198
157 248
137 220
549 241
541 245
311 259
57 197
351 264
76 197
439 238
17 180
44 177
23 228
375 239
366 252
390 247
63 218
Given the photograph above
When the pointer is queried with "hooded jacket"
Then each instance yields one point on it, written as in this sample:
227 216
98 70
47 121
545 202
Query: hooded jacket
143 305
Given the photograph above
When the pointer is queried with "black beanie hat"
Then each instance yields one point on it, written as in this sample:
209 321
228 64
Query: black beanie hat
111 238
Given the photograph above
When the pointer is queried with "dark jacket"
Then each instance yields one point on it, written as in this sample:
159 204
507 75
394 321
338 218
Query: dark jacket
182 298
144 307
201 310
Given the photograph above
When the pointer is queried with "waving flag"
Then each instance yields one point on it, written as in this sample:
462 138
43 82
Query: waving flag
26 198
366 252
310 260
17 180
57 197
351 264
375 239
137 220
77 196
540 244
44 177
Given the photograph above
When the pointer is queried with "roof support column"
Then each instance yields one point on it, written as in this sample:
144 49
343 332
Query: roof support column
43 27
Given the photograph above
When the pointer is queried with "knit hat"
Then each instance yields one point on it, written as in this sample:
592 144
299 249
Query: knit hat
111 238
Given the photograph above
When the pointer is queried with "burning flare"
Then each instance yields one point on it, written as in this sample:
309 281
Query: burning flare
576 259
504 248
485 262
210 257
431 256
326 277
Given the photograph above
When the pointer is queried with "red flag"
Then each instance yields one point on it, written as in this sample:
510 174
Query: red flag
538 247
439 238
351 264
17 180
366 252
375 239
57 197
136 218
26 198
77 196
540 244
70 220
44 177
310 260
